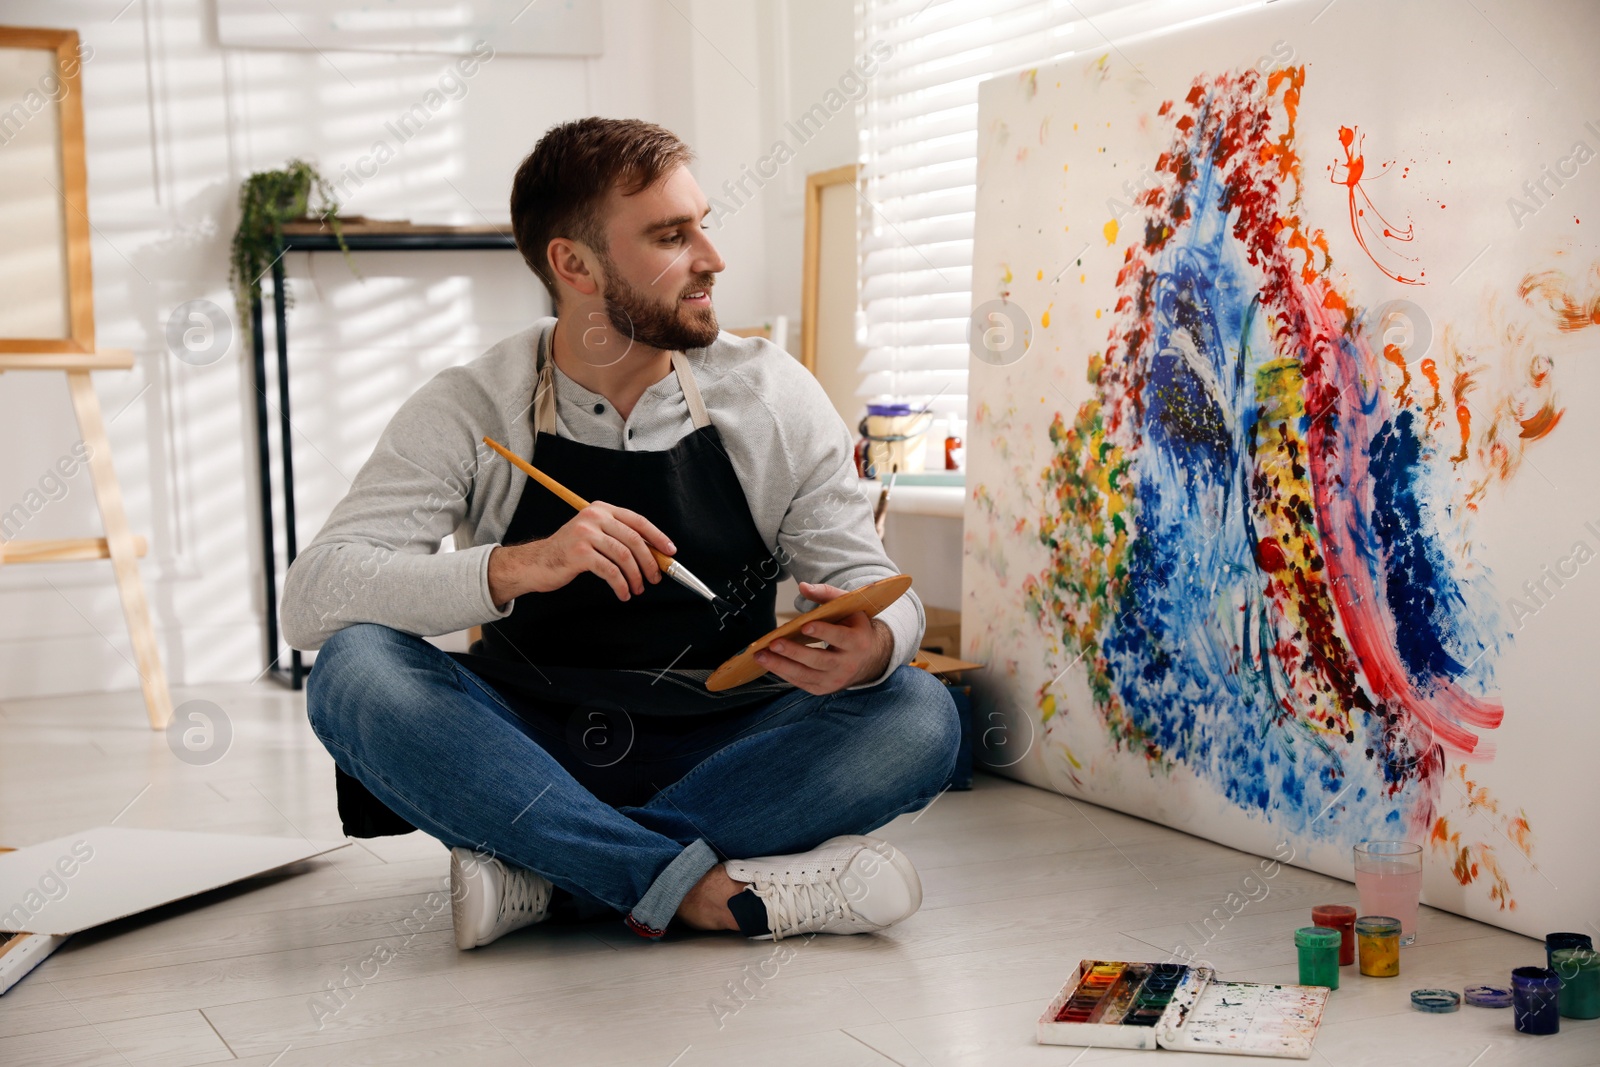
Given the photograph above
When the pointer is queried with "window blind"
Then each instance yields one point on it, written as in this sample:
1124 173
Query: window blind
918 123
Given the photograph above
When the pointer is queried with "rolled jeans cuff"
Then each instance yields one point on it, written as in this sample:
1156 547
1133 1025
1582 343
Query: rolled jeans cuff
649 917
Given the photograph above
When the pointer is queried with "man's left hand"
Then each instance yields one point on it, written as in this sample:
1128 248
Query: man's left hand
859 648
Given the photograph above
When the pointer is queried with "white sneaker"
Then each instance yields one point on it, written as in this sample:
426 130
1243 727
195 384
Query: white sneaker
849 884
489 898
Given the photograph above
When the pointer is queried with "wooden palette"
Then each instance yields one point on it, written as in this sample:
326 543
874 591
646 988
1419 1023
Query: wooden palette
742 667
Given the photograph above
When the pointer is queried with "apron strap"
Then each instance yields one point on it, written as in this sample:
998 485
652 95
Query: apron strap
691 391
544 394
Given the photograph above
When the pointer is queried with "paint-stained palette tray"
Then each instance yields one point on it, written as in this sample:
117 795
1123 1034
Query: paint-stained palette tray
742 666
1112 1004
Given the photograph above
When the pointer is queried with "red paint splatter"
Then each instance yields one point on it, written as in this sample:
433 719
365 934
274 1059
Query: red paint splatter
1355 165
1270 556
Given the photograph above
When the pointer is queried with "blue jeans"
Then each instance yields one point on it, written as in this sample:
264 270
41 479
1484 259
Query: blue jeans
445 751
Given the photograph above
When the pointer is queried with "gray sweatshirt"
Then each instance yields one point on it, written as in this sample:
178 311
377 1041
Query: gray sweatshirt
377 558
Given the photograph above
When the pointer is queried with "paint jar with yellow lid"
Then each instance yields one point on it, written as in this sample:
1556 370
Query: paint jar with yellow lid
1378 945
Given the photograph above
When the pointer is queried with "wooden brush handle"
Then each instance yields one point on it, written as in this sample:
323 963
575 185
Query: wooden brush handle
662 559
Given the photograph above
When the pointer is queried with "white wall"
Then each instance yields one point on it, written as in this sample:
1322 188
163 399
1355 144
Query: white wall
174 123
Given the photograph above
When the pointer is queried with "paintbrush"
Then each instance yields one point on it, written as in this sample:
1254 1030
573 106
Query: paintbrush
882 507
669 566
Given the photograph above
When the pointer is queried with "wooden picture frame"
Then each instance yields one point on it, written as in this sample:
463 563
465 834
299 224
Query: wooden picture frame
814 307
41 140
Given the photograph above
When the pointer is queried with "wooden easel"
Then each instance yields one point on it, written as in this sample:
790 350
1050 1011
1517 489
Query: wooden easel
119 544
76 354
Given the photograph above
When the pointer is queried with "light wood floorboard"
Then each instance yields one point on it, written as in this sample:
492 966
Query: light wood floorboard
1019 884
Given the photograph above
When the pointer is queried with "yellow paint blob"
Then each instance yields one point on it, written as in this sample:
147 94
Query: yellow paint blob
1039 276
1110 230
1044 320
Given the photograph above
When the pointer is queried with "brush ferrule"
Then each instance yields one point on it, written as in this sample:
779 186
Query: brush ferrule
682 575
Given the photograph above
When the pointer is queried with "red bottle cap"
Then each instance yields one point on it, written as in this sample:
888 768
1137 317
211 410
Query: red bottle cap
1333 915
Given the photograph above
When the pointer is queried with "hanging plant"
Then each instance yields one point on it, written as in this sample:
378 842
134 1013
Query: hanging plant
267 200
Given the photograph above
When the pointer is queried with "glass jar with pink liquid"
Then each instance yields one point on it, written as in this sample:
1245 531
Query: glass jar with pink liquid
1389 881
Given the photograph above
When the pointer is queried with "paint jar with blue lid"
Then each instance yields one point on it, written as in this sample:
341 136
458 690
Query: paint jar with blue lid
1535 1008
1579 971
1319 955
892 434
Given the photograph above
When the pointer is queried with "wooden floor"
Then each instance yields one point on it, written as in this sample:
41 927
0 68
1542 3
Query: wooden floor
1019 885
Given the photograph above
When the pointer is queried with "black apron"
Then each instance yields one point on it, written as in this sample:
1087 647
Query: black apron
602 666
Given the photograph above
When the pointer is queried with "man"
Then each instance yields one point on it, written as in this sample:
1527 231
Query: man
574 760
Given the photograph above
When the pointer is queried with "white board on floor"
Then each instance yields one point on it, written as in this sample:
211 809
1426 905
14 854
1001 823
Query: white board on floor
110 872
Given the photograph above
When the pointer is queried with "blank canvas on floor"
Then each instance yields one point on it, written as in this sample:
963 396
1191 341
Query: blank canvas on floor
109 872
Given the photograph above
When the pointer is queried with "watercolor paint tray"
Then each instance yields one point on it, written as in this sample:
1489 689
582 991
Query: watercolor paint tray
1112 1004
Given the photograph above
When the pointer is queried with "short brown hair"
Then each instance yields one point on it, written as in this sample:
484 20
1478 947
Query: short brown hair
559 188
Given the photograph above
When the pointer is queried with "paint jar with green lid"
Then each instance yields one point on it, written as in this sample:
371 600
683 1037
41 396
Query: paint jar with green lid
1378 945
1579 971
1561 940
1319 955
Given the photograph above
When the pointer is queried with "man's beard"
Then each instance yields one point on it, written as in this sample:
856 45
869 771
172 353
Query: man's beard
642 319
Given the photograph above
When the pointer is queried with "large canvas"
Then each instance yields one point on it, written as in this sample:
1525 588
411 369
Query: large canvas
1283 519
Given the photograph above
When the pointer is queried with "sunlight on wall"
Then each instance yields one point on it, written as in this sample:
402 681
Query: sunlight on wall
173 125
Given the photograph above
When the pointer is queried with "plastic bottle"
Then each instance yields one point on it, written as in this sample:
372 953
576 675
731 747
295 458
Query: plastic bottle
955 446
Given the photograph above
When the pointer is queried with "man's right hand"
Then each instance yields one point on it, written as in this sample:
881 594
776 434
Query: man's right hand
602 539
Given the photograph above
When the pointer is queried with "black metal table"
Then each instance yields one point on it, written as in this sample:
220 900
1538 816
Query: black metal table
315 238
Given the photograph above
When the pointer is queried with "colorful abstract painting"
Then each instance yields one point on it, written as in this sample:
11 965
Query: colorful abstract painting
1283 527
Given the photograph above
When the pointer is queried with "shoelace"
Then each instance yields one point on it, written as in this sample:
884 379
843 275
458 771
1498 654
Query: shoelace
521 891
791 906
